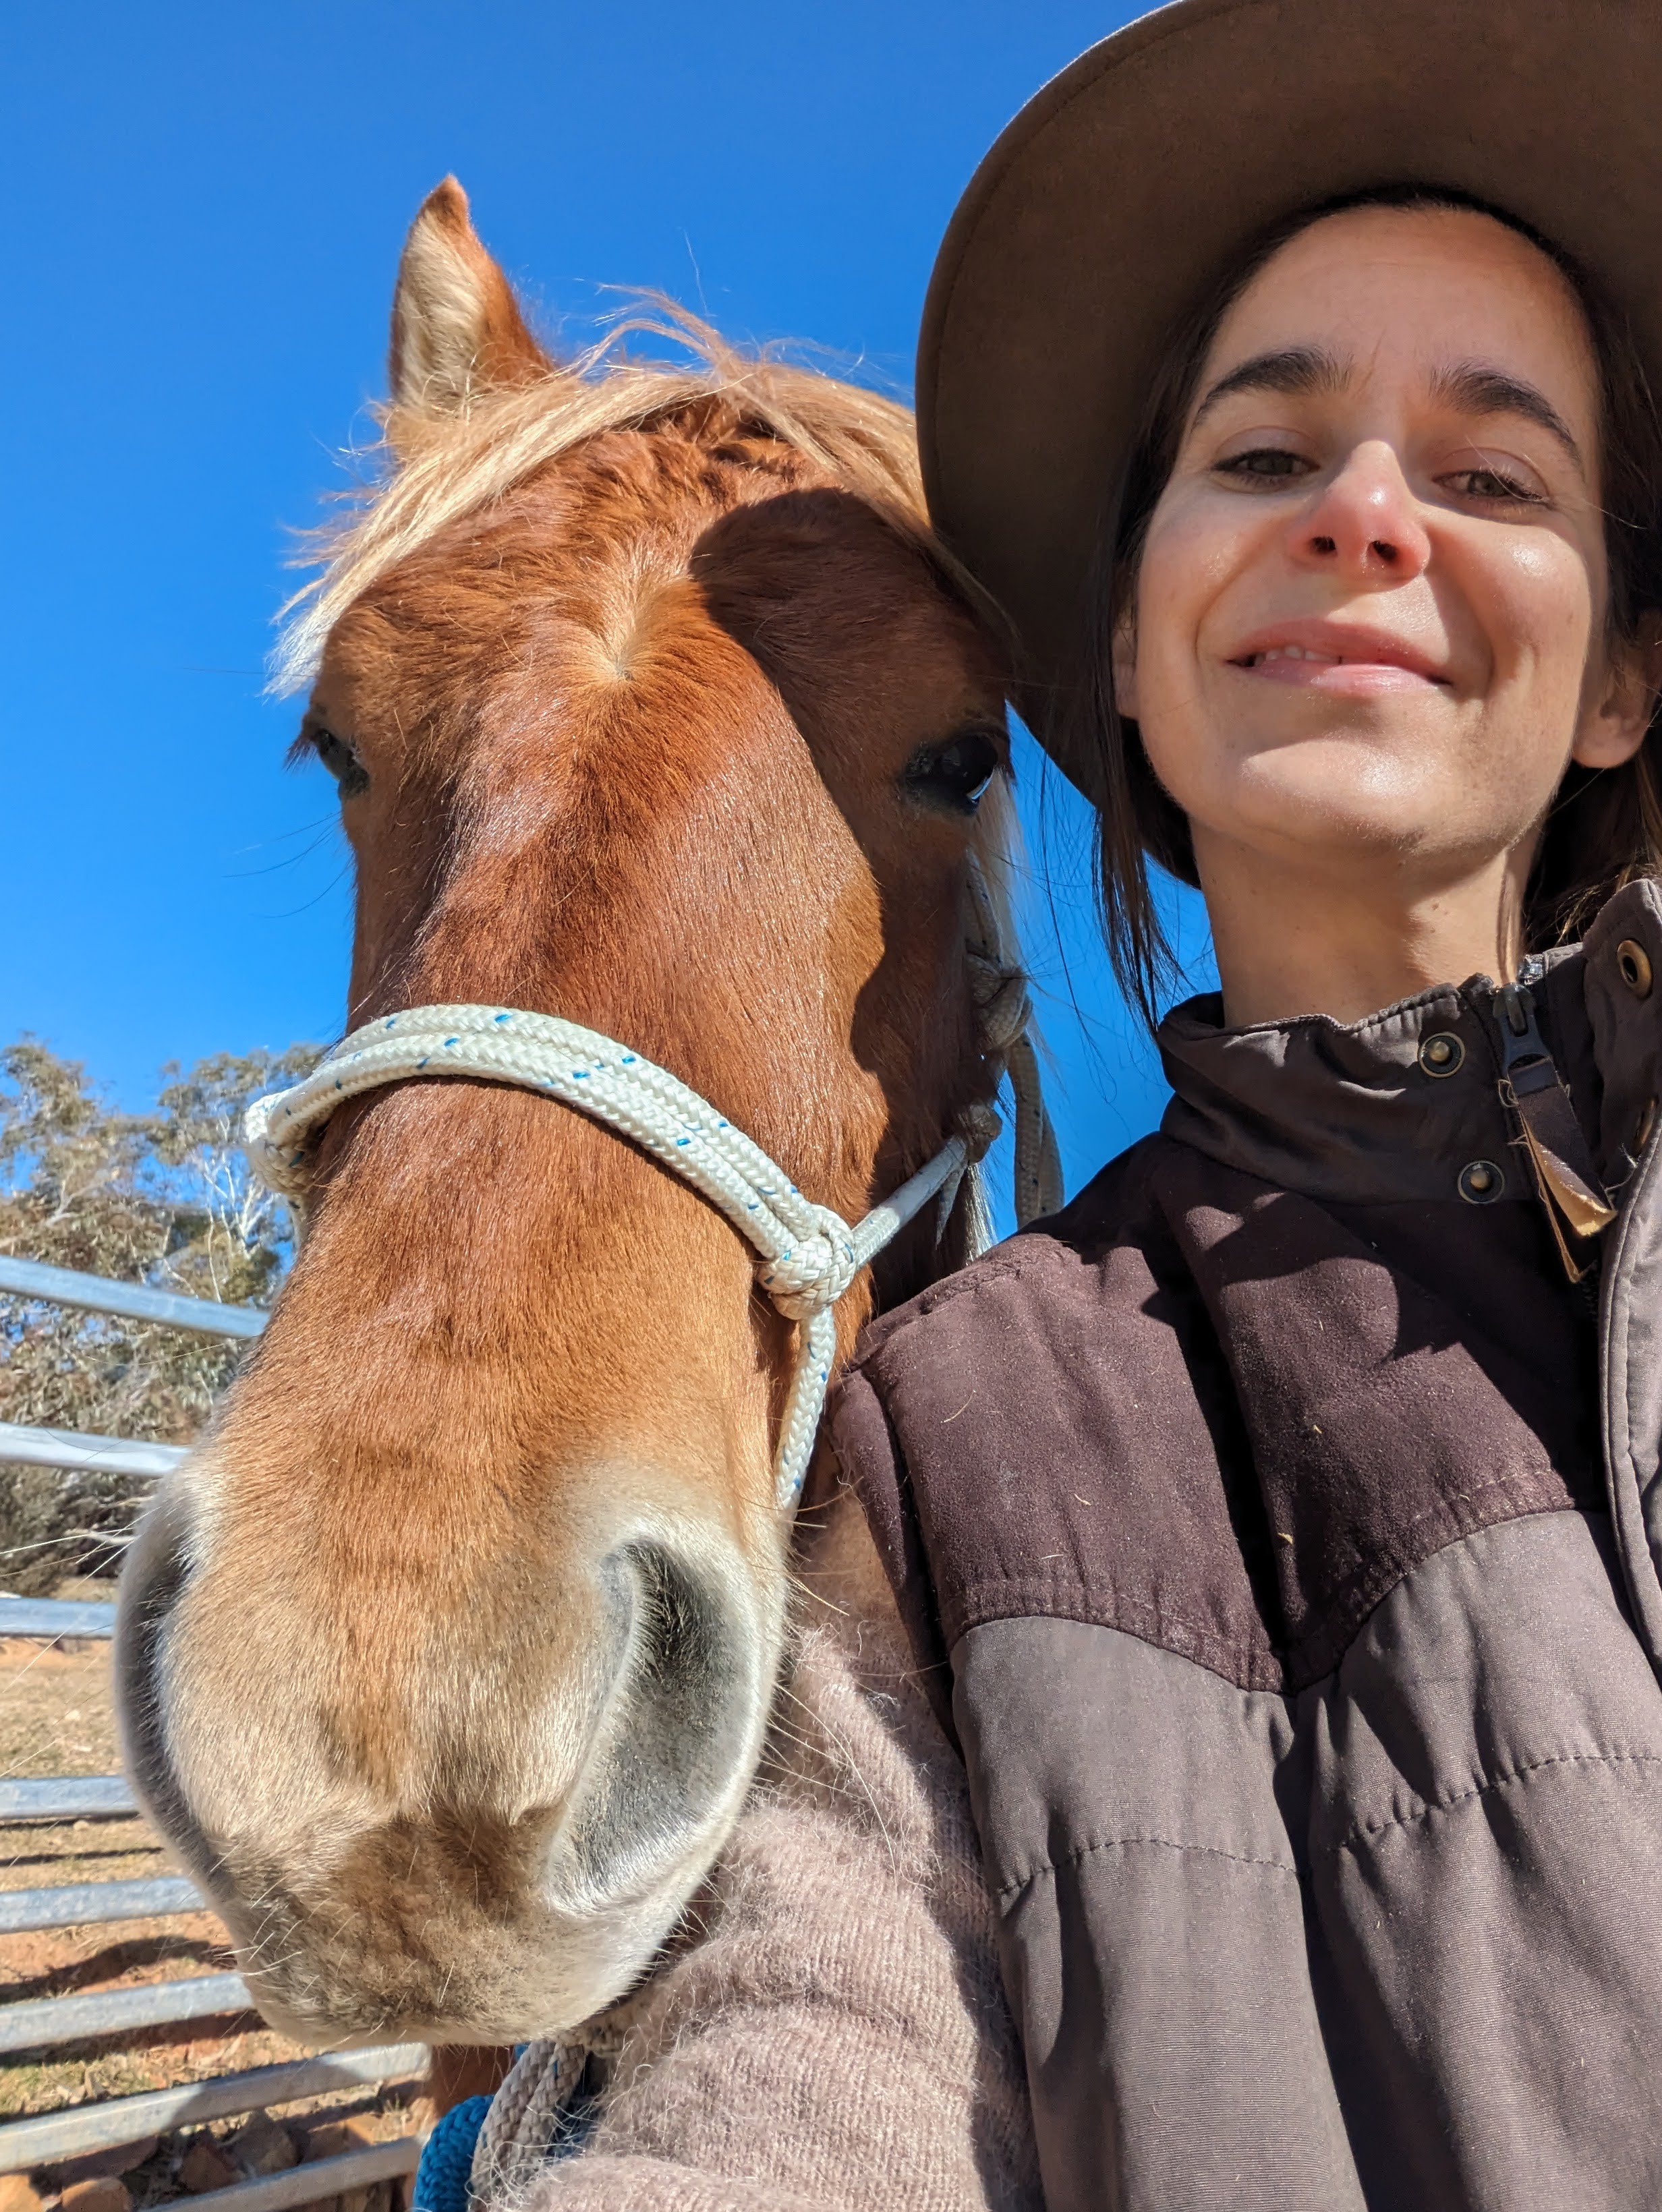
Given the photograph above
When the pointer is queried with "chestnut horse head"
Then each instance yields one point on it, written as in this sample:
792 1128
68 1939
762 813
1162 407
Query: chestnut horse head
445 1660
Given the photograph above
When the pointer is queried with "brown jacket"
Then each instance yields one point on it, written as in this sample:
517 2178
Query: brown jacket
1252 1525
1261 1550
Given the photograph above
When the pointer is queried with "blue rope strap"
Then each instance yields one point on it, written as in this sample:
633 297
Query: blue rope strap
446 2159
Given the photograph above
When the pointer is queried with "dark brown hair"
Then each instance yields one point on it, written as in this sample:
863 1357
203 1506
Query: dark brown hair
1605 825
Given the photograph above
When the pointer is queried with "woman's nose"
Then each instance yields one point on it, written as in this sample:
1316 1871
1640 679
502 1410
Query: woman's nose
1366 524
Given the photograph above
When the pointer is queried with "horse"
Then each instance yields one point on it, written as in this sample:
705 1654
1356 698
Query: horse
444 1661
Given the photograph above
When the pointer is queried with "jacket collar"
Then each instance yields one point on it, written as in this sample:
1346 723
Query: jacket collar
1404 1105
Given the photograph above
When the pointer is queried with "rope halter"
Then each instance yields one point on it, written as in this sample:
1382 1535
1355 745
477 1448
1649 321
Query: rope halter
808 1255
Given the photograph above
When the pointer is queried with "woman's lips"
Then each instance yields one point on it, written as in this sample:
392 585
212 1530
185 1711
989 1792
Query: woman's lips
1354 674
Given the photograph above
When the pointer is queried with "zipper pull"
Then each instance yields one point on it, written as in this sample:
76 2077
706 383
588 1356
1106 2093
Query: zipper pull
1532 1089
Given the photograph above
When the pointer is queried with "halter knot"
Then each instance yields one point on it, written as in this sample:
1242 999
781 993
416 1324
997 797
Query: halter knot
1003 1007
981 1125
811 1277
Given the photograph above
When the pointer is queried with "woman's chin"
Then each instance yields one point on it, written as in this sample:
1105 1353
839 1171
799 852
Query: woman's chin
1325 823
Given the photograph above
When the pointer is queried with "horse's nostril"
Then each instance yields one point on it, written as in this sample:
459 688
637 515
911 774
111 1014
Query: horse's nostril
680 1717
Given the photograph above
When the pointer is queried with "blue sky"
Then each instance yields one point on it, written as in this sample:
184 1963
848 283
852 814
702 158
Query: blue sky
212 204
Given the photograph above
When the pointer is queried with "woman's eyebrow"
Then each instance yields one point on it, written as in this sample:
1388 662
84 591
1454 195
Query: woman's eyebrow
1475 387
1293 371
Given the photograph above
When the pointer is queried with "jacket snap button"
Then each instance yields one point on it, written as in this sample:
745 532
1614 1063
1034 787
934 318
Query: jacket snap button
1481 1181
1634 963
1442 1054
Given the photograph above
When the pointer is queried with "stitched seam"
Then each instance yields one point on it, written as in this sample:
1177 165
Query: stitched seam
994 1269
1363 1831
1368 1578
1245 1664
1448 1507
1005 1263
1431 1001
1123 1842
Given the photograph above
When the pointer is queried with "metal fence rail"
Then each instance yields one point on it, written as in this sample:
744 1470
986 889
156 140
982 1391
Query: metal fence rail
32 2027
52 2137
79 1904
54 1617
83 1455
316 2180
68 1287
68 1797
48 2138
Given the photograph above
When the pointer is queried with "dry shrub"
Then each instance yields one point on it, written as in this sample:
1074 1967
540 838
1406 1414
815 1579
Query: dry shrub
163 1198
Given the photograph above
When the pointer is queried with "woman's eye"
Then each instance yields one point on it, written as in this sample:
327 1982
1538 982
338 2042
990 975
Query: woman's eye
957 774
1266 463
342 762
1489 483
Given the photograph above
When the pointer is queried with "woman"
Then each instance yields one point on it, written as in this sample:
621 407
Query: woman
1273 1530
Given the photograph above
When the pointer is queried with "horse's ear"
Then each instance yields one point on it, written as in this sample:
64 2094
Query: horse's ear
457 329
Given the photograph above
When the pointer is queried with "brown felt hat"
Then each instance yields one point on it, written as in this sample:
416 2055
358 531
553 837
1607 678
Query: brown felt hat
1129 184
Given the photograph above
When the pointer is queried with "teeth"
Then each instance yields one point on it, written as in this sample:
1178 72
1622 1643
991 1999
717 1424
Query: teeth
1294 652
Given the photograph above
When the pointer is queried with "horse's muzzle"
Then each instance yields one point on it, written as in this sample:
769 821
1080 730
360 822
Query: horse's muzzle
498 1853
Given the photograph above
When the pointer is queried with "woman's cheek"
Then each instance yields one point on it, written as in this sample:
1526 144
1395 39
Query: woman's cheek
1194 560
1537 607
1198 539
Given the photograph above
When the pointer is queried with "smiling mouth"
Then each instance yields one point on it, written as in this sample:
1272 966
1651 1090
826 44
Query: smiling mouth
1376 663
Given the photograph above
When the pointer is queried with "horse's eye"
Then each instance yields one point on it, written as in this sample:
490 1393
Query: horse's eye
341 760
957 774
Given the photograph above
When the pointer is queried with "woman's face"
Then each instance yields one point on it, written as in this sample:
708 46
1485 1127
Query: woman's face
1370 612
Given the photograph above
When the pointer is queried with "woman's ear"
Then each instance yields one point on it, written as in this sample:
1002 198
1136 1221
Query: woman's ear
1613 726
1124 664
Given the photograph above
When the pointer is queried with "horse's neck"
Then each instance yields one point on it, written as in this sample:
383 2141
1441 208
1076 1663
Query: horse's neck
840 1570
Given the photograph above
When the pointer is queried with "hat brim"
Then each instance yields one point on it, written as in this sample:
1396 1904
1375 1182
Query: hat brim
1127 185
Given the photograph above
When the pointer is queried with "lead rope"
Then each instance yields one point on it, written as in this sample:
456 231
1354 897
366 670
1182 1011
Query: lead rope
1004 1013
807 1255
537 2112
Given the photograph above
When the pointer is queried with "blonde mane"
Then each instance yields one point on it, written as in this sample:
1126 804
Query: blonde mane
441 467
